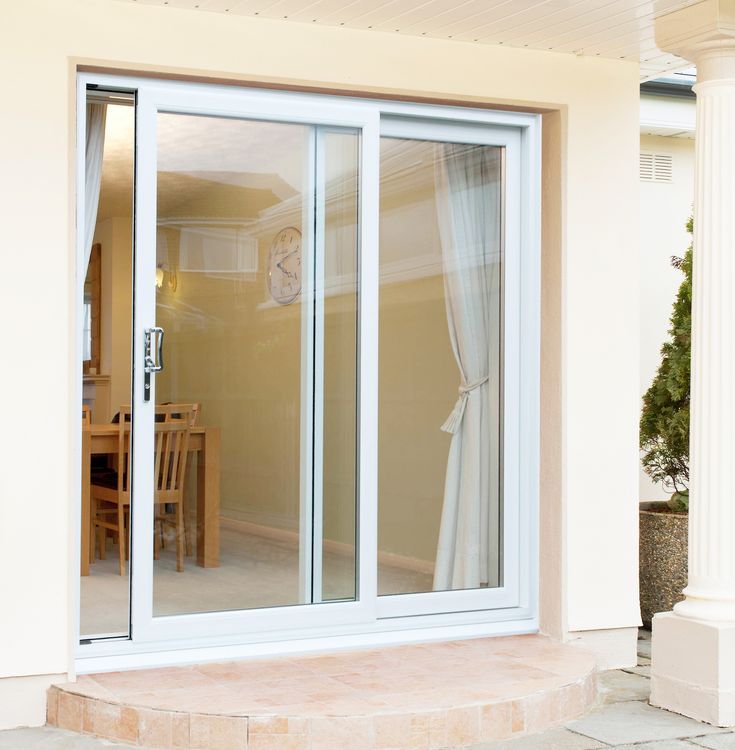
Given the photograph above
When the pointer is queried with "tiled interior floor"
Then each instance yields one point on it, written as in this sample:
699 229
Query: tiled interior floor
255 571
622 720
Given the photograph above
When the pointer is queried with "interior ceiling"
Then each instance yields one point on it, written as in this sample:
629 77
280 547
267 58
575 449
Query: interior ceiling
614 29
225 168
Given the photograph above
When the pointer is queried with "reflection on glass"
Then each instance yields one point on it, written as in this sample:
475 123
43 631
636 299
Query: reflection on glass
238 297
340 365
106 335
440 509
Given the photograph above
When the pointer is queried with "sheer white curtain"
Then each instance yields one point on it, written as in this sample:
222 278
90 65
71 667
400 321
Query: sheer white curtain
468 192
96 116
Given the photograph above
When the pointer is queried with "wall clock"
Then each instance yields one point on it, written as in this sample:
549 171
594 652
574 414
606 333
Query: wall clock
284 266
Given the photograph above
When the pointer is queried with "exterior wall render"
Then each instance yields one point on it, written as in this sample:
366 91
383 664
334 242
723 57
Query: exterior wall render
592 429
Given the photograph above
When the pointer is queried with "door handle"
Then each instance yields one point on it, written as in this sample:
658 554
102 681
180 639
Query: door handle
151 364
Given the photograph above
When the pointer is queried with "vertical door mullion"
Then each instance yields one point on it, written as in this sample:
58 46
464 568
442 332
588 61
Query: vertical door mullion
144 311
368 260
306 492
318 447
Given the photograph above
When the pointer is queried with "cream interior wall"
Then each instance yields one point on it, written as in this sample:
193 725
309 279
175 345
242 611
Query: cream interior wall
115 237
665 210
598 204
230 348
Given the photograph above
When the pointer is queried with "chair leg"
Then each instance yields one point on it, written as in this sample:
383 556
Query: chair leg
187 516
126 533
180 535
92 528
121 537
188 532
102 541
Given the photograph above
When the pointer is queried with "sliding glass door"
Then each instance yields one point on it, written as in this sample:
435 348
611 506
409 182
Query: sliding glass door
449 356
246 445
333 424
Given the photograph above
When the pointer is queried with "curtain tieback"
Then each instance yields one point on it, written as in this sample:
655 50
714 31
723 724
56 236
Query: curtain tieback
454 420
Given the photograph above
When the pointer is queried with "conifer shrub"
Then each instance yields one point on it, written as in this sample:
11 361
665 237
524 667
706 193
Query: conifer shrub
664 427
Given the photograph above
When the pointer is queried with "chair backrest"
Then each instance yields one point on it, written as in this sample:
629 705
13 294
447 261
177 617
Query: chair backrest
179 411
171 451
171 448
86 415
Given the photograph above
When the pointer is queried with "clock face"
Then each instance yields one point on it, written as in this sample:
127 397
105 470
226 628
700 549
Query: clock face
284 266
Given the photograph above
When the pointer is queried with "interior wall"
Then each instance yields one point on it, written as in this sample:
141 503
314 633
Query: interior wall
665 210
115 236
600 266
232 349
255 398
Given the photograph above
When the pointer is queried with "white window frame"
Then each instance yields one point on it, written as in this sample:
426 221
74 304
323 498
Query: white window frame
371 620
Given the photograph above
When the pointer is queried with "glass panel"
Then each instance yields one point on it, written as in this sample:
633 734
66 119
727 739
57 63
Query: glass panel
104 608
440 507
235 280
341 158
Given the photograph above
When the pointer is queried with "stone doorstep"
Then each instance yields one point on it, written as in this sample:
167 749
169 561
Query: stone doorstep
457 727
404 716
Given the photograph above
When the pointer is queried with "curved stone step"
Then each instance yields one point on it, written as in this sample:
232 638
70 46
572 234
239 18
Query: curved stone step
415 697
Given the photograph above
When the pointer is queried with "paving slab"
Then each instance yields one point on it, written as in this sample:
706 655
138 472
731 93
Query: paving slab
643 670
50 738
633 722
716 742
553 739
660 745
615 686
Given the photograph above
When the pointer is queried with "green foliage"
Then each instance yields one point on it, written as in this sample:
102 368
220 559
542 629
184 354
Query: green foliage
664 436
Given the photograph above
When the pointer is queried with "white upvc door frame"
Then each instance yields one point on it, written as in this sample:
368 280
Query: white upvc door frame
307 495
199 99
513 592
370 620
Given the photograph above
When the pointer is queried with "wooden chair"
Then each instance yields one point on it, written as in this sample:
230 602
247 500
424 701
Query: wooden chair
176 410
86 415
171 448
110 496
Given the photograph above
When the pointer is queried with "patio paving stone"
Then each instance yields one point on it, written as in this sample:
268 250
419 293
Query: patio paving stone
716 742
553 739
50 738
661 745
644 643
644 670
634 722
617 686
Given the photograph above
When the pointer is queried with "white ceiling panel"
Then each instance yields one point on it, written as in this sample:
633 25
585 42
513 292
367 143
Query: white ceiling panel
604 28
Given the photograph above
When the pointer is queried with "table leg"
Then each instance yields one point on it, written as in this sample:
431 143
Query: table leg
86 520
208 500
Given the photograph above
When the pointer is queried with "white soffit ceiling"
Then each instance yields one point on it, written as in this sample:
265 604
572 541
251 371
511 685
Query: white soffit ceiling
605 28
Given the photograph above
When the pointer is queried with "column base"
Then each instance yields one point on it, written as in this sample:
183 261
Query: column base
692 668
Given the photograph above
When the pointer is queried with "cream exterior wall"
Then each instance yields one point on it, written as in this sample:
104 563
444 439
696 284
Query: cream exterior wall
665 210
598 370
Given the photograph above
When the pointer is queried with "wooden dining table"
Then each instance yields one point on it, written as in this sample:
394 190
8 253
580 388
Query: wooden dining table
99 439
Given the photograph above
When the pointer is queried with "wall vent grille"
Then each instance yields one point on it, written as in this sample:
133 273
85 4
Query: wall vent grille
656 167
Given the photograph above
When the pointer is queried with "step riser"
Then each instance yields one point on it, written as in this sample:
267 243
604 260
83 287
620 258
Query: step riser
456 727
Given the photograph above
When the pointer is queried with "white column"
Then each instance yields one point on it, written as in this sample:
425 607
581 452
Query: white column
693 666
711 590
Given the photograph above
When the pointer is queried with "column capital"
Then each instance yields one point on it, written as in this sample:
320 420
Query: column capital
703 33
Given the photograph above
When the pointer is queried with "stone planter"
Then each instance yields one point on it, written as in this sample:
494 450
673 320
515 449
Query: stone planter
663 558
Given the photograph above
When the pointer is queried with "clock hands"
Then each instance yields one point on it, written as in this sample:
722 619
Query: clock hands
283 260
